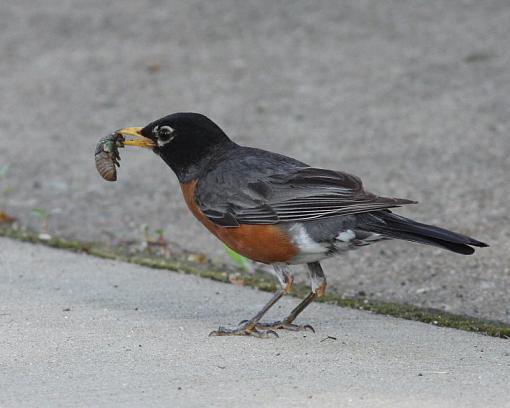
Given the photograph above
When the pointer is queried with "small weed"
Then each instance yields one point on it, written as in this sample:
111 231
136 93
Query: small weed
240 260
44 216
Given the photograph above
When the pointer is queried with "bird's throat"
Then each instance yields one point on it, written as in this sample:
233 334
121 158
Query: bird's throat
188 165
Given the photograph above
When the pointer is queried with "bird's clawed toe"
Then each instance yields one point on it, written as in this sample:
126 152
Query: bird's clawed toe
244 330
283 325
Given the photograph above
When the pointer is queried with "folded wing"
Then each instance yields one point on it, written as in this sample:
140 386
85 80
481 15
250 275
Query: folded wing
305 193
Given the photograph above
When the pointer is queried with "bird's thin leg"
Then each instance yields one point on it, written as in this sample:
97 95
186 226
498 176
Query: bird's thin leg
318 284
249 327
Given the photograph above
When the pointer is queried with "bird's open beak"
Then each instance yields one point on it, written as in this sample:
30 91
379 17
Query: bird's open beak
134 137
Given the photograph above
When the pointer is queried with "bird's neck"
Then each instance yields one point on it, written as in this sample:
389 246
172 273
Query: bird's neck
188 165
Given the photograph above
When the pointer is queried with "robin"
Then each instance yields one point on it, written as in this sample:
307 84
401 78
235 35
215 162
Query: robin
277 210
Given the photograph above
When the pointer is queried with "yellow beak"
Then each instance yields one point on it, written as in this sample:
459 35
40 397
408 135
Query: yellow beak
137 138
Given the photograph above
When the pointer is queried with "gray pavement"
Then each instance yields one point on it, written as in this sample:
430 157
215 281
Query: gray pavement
78 331
411 96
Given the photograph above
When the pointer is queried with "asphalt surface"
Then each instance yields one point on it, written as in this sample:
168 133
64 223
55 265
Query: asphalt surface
79 331
411 96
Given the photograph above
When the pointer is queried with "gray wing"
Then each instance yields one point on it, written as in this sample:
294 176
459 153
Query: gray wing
304 193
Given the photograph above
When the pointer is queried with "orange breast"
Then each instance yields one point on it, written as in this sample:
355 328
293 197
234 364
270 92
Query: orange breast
261 243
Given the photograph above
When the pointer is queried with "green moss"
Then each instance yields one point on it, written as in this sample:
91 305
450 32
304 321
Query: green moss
262 281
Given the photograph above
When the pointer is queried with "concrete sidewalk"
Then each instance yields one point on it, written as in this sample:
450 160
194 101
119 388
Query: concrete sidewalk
81 331
411 96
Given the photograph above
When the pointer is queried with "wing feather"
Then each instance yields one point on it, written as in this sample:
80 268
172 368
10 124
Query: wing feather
306 193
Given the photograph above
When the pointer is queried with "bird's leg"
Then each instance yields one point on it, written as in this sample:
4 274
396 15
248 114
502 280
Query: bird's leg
318 284
250 327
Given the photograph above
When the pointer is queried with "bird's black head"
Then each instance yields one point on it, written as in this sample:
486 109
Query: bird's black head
185 141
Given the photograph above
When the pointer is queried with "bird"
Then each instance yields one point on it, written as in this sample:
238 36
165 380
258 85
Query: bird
277 210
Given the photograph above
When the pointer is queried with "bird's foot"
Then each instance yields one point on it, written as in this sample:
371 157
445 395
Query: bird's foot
244 329
283 325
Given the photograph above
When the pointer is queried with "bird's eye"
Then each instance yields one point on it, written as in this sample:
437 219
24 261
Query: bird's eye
164 134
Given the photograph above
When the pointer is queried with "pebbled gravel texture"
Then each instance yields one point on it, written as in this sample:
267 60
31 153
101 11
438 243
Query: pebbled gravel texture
413 97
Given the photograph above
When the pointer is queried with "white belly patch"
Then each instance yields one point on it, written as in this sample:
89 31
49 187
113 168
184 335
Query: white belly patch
346 236
313 251
309 250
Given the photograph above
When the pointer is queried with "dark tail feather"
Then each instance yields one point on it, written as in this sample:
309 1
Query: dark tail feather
395 226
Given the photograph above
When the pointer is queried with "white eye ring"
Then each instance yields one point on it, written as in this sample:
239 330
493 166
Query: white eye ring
167 130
